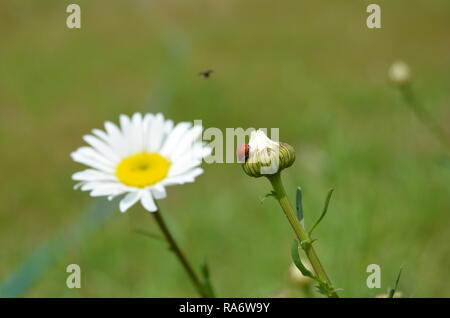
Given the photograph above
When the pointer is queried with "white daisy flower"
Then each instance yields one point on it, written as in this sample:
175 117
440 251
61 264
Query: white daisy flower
139 159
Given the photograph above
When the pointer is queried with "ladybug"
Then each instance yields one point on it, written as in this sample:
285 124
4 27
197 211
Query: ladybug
242 152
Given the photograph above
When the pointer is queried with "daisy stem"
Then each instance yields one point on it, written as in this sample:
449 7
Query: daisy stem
300 232
424 115
179 254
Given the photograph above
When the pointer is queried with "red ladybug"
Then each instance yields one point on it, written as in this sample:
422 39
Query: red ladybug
242 152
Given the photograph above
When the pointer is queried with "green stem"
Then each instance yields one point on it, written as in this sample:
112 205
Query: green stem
422 113
179 254
300 232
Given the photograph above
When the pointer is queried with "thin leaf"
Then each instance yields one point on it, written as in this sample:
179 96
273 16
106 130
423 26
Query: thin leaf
323 287
207 280
299 206
268 195
324 211
297 261
393 290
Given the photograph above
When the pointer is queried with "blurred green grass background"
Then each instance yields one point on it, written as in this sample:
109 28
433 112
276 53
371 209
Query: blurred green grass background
313 69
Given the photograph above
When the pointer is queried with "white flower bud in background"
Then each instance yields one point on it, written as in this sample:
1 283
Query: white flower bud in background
399 73
297 278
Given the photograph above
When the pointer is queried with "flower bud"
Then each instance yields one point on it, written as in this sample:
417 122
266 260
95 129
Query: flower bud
399 73
265 156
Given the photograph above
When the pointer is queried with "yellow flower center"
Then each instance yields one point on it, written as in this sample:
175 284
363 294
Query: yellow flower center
142 169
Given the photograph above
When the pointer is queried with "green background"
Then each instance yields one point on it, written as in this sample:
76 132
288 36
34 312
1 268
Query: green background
312 69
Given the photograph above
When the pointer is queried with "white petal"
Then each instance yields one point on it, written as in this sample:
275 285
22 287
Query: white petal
195 152
147 201
148 117
102 135
106 192
136 137
190 159
174 138
91 153
99 190
101 147
159 192
125 124
182 166
127 201
126 128
168 126
106 139
93 175
187 142
146 125
206 150
116 139
183 178
92 185
155 133
81 157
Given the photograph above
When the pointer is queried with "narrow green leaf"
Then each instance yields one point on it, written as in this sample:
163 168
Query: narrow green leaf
393 290
268 195
207 280
300 206
324 211
297 261
323 287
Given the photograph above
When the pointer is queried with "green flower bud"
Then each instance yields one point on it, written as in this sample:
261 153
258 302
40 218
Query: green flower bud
265 156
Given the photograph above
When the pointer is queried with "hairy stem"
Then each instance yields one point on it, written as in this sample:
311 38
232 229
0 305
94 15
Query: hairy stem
423 115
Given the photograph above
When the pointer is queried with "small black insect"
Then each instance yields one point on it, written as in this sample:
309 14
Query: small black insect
206 74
